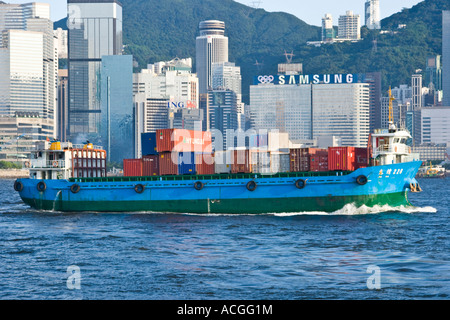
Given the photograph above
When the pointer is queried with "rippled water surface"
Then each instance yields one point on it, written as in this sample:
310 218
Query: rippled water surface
151 256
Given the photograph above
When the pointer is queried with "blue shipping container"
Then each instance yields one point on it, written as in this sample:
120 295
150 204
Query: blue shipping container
186 163
148 144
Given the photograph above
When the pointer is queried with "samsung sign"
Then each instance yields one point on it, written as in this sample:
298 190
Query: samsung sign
300 79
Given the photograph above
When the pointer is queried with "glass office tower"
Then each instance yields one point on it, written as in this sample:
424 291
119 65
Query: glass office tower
95 30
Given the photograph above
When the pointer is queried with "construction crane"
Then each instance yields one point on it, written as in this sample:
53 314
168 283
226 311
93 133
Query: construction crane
391 111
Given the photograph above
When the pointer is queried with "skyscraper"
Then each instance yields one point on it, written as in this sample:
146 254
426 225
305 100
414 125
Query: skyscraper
211 47
28 64
446 57
373 14
95 30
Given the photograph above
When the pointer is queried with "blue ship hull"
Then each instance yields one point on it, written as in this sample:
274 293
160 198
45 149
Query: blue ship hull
242 193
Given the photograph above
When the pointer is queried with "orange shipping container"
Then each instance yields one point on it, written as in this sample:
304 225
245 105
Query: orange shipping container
167 166
204 163
182 140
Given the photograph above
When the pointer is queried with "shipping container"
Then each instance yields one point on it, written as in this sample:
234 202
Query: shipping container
341 158
150 165
181 140
300 158
279 162
318 162
222 161
362 157
148 144
186 163
167 165
260 161
241 161
204 163
132 167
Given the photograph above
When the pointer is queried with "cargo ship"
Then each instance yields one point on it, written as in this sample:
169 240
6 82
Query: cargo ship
70 178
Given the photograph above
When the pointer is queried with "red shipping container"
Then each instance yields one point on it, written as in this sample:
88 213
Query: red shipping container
341 158
204 163
182 140
132 167
241 162
150 165
167 166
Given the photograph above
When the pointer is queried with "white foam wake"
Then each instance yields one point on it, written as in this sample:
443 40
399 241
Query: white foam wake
351 209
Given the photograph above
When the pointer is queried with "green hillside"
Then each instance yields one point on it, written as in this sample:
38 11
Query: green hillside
157 30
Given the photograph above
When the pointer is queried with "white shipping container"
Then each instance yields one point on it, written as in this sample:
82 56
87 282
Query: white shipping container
279 162
222 161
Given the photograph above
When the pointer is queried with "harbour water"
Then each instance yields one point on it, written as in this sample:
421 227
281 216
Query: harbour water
355 253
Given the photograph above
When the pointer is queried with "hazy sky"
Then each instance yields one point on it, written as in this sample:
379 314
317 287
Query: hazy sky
310 11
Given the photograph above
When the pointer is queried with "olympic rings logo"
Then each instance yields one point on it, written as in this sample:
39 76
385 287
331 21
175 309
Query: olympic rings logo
266 79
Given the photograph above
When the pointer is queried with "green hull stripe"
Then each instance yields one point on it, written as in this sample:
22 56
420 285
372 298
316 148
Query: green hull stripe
230 206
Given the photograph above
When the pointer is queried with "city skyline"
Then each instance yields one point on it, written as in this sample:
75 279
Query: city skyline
311 14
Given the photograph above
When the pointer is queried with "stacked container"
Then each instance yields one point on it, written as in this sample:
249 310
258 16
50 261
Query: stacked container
148 144
181 140
150 165
204 163
222 162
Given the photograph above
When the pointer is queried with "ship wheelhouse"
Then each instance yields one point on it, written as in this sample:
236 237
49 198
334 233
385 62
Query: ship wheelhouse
63 160
389 147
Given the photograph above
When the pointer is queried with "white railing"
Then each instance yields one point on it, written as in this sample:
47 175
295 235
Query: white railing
395 148
45 164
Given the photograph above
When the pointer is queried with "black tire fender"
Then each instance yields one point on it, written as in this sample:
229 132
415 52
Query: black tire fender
18 186
300 183
139 188
251 186
41 186
75 188
361 180
198 185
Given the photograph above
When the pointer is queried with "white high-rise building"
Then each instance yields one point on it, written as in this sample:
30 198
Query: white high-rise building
328 33
163 93
373 14
349 26
173 82
342 110
226 75
211 47
29 63
309 110
434 125
446 57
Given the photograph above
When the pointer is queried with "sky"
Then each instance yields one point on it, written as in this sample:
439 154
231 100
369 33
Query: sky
310 11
